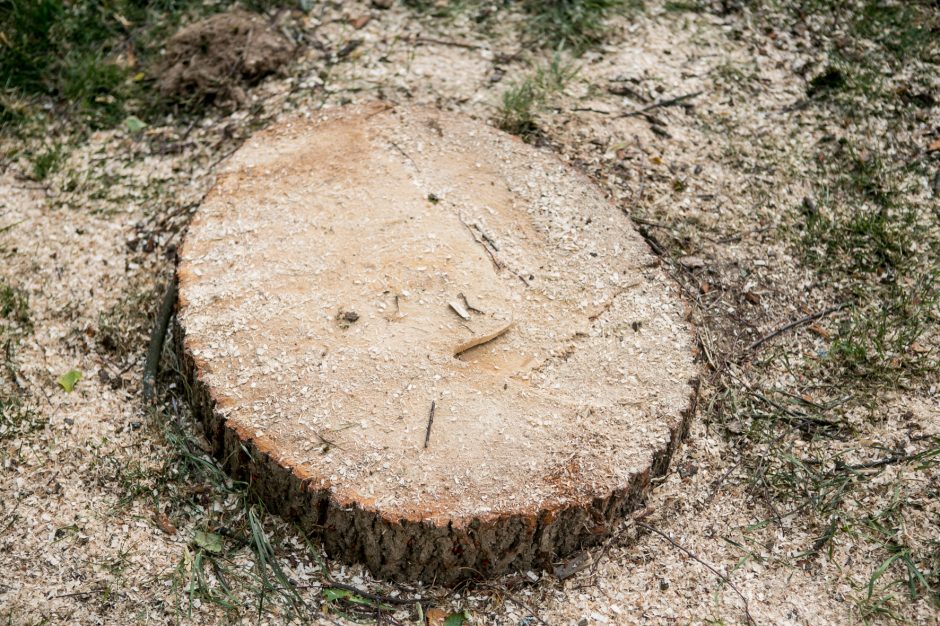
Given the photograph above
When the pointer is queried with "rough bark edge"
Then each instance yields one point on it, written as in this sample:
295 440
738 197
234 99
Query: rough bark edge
405 550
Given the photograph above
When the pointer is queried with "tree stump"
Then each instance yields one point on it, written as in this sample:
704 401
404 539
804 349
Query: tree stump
439 349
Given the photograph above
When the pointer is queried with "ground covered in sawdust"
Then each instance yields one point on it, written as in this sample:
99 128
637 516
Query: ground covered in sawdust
807 492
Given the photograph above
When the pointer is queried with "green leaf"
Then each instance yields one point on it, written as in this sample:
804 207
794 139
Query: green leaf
210 542
134 124
331 594
456 619
67 380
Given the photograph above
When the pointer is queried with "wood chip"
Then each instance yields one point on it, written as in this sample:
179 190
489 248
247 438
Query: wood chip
164 523
459 309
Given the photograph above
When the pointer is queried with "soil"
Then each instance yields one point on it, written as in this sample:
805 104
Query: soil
216 58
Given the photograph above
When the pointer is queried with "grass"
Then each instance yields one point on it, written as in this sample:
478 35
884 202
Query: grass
47 161
861 220
89 60
69 52
17 417
804 444
124 327
14 309
237 557
810 416
575 25
522 102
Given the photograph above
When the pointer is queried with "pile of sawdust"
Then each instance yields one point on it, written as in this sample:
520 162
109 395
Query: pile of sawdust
213 59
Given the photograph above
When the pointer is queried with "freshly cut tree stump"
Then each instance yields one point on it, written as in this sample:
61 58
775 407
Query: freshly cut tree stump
439 349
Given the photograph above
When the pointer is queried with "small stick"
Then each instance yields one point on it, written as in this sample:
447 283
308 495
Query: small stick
427 433
589 110
486 237
492 256
692 556
443 42
405 154
794 324
157 338
663 103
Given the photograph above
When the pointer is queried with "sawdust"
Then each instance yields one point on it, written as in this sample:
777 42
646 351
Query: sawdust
70 553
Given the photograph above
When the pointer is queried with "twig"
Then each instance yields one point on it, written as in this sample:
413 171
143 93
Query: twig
427 433
443 42
891 460
651 241
589 110
77 593
795 324
711 568
4 229
157 338
405 154
663 103
631 521
473 234
525 606
486 237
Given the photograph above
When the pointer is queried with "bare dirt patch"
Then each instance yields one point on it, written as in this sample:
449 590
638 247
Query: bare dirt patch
216 58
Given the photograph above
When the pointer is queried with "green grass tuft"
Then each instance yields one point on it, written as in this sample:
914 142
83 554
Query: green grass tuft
47 162
17 418
14 307
572 24
523 100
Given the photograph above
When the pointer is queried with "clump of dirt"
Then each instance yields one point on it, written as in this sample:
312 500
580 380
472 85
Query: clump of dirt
213 59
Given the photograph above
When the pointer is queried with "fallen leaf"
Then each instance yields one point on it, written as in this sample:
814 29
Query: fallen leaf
359 22
67 380
210 542
164 523
436 617
819 330
456 619
134 124
692 262
332 594
934 145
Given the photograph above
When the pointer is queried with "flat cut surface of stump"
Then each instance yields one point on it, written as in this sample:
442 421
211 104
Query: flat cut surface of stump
352 268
